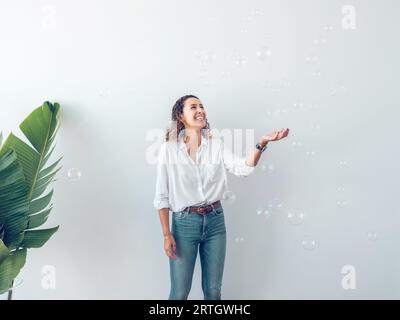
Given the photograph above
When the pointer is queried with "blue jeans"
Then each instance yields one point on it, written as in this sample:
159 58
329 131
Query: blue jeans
192 232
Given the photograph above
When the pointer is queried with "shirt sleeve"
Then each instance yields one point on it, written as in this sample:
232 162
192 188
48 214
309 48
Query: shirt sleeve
235 164
161 198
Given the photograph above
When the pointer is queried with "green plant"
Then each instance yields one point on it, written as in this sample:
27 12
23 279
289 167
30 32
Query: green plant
23 180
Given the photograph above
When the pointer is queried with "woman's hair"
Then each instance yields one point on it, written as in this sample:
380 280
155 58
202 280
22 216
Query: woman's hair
176 125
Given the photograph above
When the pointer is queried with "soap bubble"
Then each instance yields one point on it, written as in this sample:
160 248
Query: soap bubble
340 189
315 127
240 61
296 144
372 235
341 203
229 196
342 163
274 205
308 243
263 53
316 73
296 218
74 174
312 58
239 239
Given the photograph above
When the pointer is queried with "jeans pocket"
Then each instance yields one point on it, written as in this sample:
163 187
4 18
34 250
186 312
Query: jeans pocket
219 211
180 215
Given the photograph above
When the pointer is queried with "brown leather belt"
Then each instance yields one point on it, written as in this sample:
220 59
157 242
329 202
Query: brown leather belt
204 209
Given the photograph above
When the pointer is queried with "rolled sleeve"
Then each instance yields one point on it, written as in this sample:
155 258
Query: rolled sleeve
161 198
235 164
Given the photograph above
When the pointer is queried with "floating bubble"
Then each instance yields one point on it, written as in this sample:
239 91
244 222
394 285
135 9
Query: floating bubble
274 204
296 218
315 127
298 105
372 235
285 83
313 106
312 58
270 168
263 53
226 74
342 163
320 41
296 144
205 57
229 196
104 92
341 203
74 174
308 243
257 12
240 61
267 213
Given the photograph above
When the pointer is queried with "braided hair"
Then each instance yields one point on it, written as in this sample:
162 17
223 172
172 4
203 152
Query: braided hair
176 125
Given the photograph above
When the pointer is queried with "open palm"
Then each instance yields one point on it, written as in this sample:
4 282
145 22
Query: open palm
276 135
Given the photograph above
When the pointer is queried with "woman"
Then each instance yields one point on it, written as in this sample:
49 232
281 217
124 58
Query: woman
191 181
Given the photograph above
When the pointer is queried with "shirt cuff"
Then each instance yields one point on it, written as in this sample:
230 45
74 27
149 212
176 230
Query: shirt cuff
247 169
160 204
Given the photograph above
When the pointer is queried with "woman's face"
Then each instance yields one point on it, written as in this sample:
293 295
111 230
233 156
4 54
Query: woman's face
194 115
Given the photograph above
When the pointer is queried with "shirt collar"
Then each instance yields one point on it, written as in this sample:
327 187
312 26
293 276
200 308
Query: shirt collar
182 135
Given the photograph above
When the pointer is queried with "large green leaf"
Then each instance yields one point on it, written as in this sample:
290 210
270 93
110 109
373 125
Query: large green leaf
4 251
37 238
23 182
10 267
14 205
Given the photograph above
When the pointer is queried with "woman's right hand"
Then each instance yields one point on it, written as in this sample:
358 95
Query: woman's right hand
170 246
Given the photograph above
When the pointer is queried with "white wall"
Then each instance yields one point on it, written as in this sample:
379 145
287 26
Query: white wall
117 67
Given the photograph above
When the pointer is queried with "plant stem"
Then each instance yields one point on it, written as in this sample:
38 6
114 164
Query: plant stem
10 291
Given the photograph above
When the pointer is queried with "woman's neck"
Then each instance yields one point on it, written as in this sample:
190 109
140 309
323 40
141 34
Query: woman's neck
192 135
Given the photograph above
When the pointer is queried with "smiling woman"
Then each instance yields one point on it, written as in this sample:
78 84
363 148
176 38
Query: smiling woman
191 182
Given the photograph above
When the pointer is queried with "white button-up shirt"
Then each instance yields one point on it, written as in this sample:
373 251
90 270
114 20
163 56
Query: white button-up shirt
182 182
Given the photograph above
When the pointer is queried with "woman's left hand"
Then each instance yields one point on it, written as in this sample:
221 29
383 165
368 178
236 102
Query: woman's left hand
274 136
